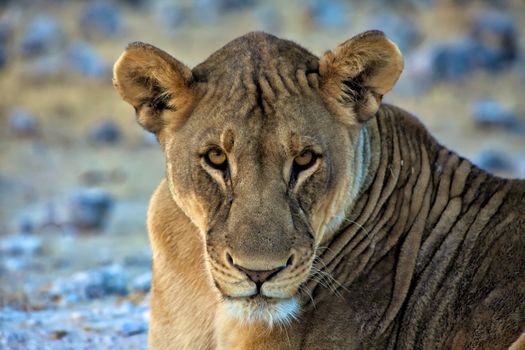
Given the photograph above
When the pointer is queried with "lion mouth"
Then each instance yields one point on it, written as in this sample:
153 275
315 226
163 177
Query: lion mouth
259 308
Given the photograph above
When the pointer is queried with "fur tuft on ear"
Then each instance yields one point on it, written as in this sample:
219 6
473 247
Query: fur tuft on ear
356 74
154 83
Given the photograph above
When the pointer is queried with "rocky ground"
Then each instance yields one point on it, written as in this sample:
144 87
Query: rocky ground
76 171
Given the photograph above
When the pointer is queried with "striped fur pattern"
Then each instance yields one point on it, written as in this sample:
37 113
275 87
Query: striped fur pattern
387 241
435 247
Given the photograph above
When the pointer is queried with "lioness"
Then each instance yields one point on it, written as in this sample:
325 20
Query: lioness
298 212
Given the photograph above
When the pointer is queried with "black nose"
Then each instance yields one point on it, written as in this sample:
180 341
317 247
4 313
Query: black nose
260 276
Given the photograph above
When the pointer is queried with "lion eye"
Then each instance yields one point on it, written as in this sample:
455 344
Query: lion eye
304 160
216 158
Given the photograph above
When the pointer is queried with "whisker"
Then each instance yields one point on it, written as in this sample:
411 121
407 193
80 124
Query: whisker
308 292
324 279
361 227
325 275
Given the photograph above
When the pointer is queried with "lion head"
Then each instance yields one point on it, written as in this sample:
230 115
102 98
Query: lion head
262 143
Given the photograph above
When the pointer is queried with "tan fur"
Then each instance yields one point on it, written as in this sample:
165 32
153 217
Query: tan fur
518 344
140 71
182 287
388 240
372 61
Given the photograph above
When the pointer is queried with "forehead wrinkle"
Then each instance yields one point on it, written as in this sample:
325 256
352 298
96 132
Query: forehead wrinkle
232 105
239 103
257 85
227 139
236 86
266 89
249 84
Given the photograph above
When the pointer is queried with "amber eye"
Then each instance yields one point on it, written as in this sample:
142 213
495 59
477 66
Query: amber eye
216 158
304 160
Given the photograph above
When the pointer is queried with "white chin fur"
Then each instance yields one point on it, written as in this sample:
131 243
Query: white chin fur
270 311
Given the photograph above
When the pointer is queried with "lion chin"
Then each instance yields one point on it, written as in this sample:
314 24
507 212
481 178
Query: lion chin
272 311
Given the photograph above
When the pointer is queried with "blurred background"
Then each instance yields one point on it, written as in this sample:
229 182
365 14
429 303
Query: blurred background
76 171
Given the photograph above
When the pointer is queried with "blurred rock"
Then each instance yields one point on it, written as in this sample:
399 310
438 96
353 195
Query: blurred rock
6 29
93 284
135 3
115 280
92 177
117 176
100 19
43 35
14 340
227 5
123 308
490 113
106 132
57 334
493 160
22 123
399 29
453 61
89 209
97 177
3 55
82 58
418 4
138 260
77 288
330 14
497 36
492 45
61 263
133 327
21 245
26 226
5 34
142 283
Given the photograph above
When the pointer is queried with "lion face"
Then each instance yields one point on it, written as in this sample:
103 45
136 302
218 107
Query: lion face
261 143
257 185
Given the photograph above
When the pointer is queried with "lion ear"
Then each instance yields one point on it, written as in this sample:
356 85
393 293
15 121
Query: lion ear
154 83
357 73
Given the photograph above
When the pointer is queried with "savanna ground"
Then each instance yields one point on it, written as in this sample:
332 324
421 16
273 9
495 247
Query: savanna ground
44 296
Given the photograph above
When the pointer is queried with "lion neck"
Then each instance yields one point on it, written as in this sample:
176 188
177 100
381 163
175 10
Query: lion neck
231 333
394 189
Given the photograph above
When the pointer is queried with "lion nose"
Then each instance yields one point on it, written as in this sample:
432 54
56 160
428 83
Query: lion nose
260 276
